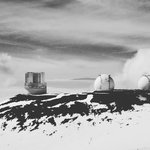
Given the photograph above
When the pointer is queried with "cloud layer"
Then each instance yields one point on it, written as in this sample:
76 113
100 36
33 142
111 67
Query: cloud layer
29 24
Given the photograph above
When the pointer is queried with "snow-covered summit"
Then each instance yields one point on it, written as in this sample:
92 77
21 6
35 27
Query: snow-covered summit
28 112
76 121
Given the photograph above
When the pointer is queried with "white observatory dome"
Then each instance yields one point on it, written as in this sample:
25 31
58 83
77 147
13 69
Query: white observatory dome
144 82
104 82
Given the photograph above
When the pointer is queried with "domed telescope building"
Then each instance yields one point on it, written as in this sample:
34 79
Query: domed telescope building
104 82
35 83
144 82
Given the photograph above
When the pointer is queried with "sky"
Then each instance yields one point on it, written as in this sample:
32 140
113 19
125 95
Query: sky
71 39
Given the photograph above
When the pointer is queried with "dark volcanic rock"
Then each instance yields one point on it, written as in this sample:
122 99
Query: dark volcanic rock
29 108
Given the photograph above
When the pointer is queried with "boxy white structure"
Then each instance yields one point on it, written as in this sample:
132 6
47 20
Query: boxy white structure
35 83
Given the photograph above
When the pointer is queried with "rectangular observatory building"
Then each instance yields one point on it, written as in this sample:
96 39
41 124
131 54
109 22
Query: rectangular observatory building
35 83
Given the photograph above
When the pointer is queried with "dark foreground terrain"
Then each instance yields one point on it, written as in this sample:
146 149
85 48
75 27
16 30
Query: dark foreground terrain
29 112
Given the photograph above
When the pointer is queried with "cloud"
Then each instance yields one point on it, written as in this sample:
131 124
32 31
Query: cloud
84 79
133 69
6 73
5 61
137 40
143 5
28 45
44 3
127 8
38 27
59 3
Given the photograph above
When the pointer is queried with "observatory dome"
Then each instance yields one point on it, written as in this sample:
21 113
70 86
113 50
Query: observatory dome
144 82
104 82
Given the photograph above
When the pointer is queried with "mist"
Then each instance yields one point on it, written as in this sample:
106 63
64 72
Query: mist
133 69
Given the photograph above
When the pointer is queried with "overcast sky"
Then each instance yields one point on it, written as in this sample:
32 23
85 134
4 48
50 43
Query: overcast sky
70 38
